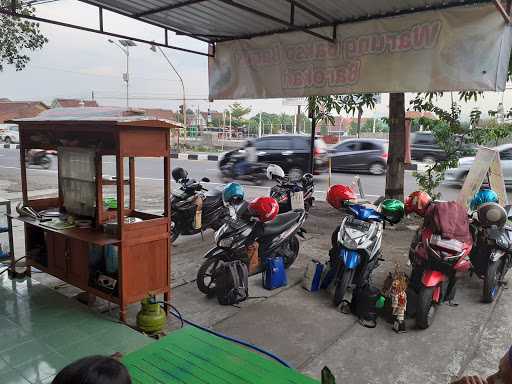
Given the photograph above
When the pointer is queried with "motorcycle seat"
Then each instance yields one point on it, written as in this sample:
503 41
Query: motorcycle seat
281 223
213 198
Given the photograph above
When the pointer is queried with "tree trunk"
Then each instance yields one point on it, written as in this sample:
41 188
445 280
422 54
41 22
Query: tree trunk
359 115
396 154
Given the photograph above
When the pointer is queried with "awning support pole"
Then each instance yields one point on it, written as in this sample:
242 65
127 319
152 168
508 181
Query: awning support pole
276 20
117 35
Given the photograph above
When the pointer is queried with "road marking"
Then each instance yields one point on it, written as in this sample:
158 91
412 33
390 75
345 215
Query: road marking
31 169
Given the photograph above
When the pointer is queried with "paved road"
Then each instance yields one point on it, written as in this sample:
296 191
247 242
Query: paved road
150 171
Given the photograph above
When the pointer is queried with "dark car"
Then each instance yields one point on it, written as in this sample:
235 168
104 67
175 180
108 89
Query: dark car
291 152
368 155
424 148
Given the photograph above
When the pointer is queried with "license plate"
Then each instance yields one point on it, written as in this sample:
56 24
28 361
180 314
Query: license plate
297 201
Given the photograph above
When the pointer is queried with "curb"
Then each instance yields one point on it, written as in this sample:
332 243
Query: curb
10 146
195 156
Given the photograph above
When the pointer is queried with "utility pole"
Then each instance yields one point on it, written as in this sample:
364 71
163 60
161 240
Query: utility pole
154 48
296 128
230 131
259 127
125 47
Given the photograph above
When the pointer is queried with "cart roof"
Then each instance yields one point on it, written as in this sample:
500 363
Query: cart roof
91 115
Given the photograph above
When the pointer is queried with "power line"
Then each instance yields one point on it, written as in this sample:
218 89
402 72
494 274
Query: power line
96 74
149 98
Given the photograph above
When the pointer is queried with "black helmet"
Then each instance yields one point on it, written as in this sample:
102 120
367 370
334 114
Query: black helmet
179 174
492 214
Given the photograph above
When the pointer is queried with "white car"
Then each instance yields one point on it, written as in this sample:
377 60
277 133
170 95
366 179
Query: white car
458 175
9 133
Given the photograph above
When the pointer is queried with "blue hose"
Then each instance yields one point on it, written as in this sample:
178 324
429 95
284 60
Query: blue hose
177 314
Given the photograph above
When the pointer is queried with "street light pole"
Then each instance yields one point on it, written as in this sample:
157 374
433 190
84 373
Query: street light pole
153 48
124 46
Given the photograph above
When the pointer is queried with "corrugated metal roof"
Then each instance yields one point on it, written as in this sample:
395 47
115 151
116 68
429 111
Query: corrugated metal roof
217 20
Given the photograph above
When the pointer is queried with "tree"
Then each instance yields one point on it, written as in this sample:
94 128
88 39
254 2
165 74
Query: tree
17 36
396 153
238 111
450 134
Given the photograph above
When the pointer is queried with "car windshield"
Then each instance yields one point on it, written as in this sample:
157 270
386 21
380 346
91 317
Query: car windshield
13 129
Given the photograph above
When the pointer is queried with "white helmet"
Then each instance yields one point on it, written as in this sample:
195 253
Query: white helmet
274 171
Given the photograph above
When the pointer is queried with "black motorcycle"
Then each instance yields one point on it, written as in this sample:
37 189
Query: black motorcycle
237 168
185 203
286 192
278 237
40 158
491 255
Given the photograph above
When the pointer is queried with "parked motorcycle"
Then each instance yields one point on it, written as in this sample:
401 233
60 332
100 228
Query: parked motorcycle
491 255
437 259
237 168
290 194
241 231
356 245
185 219
40 157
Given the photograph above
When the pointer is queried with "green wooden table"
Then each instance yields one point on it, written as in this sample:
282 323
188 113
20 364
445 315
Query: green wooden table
191 356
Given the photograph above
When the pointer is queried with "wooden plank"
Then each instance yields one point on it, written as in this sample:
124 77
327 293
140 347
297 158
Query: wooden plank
131 165
477 173
190 356
88 235
496 180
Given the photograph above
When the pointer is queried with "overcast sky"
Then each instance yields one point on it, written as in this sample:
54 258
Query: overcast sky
76 63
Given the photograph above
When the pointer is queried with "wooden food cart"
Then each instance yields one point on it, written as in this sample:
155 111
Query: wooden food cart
80 235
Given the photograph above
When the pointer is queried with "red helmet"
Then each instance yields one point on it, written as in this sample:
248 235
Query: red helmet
417 202
338 194
264 208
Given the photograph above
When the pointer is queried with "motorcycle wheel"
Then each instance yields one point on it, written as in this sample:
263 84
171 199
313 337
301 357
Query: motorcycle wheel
492 280
342 285
174 233
294 247
206 276
308 204
334 237
46 162
426 309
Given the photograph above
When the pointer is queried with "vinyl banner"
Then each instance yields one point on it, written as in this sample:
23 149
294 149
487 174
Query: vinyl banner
458 48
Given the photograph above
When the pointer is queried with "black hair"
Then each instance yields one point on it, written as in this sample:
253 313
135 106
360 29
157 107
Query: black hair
93 370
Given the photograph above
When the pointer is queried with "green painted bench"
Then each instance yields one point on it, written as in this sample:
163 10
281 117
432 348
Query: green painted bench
191 356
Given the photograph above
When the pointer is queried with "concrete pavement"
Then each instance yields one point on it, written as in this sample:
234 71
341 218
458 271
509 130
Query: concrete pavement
303 327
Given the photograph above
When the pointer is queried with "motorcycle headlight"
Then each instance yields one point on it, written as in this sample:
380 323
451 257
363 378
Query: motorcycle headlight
350 243
227 242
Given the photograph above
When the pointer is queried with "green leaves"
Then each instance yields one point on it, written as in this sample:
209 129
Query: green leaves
323 106
449 133
18 36
238 111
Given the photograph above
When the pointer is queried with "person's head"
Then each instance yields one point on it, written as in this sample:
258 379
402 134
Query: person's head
504 374
94 370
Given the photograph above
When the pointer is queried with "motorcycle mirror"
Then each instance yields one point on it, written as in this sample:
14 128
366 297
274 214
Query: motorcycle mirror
205 179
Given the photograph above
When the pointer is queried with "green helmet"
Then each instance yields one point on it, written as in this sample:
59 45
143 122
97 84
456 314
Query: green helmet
393 210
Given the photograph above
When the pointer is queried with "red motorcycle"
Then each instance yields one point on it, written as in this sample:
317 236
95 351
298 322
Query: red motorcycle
439 255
